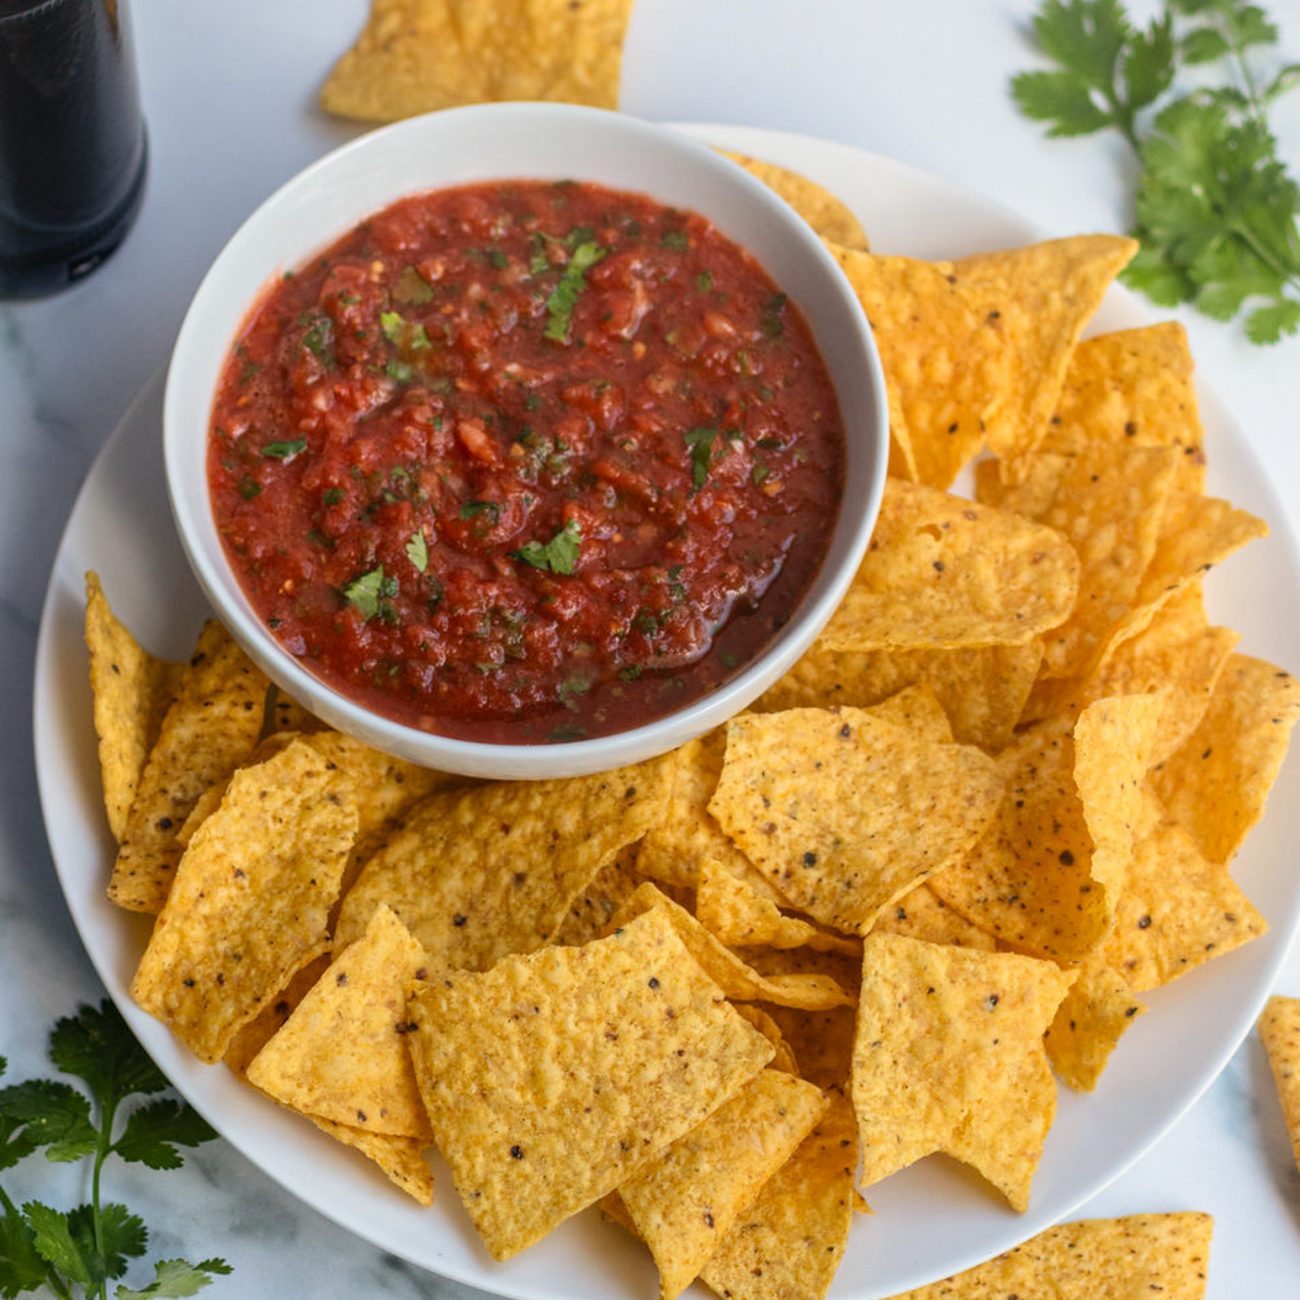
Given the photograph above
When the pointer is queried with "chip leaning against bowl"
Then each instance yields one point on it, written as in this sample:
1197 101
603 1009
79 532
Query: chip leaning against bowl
526 461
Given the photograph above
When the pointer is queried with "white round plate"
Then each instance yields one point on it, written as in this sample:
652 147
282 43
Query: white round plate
930 1220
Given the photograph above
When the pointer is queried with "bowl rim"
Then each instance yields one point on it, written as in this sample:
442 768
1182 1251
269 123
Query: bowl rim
508 760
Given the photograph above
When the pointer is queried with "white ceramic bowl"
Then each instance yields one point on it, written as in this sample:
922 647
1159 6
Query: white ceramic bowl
521 141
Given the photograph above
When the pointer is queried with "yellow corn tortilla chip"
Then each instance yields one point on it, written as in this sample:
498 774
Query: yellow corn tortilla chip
210 728
1037 300
479 873
684 1204
945 573
1179 910
949 1057
594 908
1165 1255
821 1041
1134 388
1196 533
250 901
844 812
941 356
983 692
791 1240
922 914
1047 876
415 56
736 914
268 1022
553 1078
1109 502
132 691
341 1055
829 216
1097 1010
1279 1031
1217 783
210 800
1178 656
400 1158
784 1058
687 833
284 713
811 990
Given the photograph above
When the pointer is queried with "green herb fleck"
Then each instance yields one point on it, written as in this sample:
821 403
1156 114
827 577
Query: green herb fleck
400 370
393 324
759 474
472 509
317 340
700 442
285 450
417 551
249 487
332 496
704 281
559 555
770 321
564 297
675 240
498 259
412 287
372 594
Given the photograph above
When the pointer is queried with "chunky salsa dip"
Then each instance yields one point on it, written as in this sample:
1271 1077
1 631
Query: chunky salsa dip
526 461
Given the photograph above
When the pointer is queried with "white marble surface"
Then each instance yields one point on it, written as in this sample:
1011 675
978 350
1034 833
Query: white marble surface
229 89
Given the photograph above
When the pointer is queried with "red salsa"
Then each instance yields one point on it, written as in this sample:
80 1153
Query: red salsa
526 461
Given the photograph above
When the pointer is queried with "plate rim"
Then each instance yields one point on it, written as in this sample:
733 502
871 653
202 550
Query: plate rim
733 136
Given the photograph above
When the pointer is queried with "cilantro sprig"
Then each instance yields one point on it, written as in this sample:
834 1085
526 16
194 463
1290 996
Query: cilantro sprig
559 555
373 595
63 1252
1216 210
564 297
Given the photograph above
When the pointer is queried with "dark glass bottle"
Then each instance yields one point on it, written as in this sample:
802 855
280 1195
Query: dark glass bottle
72 141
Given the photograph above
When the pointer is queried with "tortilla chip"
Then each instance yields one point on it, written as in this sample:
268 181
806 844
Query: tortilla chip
941 356
600 1058
982 692
684 1204
1097 1010
844 812
210 728
210 800
949 1057
1109 502
791 1240
809 991
249 904
284 713
268 1022
1096 1259
945 573
341 1055
1133 388
821 1041
416 56
594 908
829 216
784 1058
399 1157
1279 1031
1216 785
922 914
1037 300
736 915
132 691
476 874
1178 911
1047 876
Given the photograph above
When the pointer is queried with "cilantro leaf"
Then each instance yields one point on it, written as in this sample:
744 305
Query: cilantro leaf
1061 99
122 1233
1084 36
417 551
21 1266
1271 323
700 441
54 1115
392 324
372 594
54 1242
1149 63
559 555
97 1047
564 297
175 1279
471 509
154 1131
284 450
412 287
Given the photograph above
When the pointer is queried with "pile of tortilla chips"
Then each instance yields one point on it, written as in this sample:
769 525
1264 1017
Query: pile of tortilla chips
876 917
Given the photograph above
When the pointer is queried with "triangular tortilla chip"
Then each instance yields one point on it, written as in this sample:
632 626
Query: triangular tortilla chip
1279 1031
949 1057
400 1158
784 1058
1097 1010
416 56
1133 388
342 1054
1164 1255
684 1204
210 728
132 691
828 215
844 812
601 1057
494 869
922 914
250 901
791 1240
268 1022
945 573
